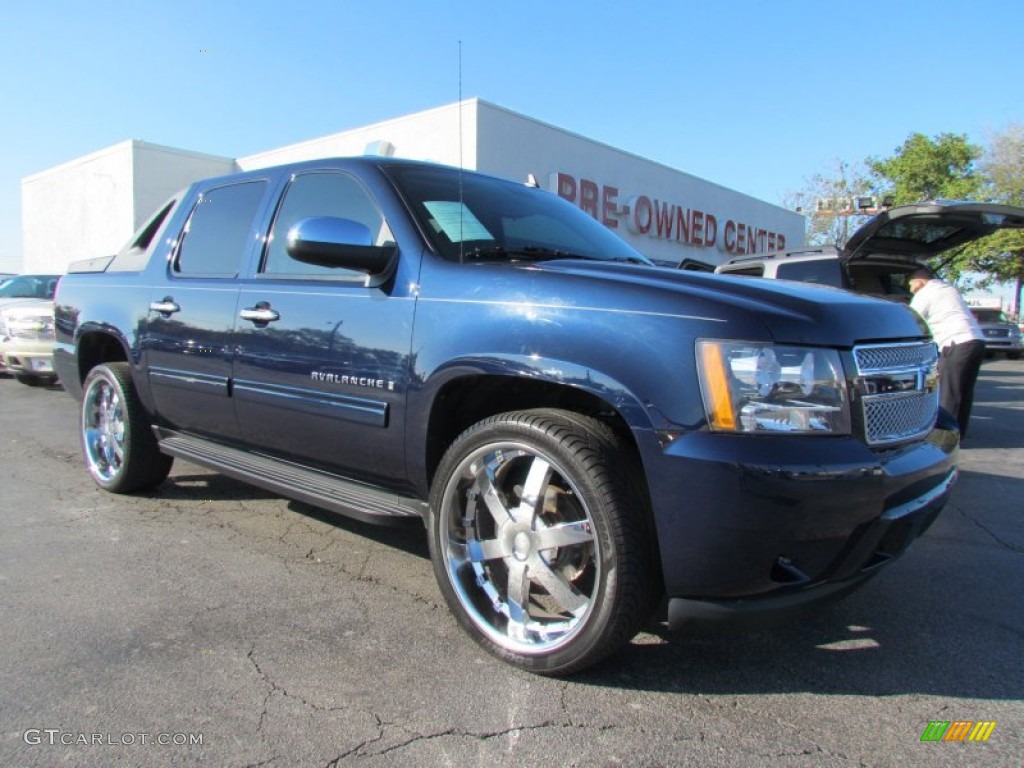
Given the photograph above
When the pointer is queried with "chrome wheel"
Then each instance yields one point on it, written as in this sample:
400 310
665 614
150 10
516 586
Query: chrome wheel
120 450
541 540
519 547
103 430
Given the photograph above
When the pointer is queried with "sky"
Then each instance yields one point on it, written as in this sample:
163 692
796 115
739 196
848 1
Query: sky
754 96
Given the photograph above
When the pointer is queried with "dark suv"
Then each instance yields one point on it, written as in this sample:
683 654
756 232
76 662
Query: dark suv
880 255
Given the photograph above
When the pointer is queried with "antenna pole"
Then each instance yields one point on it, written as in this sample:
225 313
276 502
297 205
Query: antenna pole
462 238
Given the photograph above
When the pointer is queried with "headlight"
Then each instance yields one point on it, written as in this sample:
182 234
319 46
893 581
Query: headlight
766 388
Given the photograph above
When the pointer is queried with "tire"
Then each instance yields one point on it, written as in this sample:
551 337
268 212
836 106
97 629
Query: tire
120 450
28 380
539 540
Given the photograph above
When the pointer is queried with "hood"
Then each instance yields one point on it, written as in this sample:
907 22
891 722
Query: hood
787 312
26 307
918 232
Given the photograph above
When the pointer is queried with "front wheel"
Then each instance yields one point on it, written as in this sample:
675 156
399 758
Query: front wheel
539 541
120 450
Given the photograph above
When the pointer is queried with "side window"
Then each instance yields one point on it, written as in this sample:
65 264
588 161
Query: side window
321 193
755 271
821 271
217 236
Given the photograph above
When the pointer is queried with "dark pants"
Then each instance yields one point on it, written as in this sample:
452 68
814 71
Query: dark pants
958 371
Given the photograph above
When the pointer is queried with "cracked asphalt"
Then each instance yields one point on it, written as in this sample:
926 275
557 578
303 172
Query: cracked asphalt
279 635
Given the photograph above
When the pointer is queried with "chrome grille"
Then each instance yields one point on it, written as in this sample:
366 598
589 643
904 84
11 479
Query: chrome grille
894 357
897 387
38 331
892 418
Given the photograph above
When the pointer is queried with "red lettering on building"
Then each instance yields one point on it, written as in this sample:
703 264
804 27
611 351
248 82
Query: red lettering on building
710 230
664 220
730 236
663 217
643 215
588 197
566 187
609 207
740 238
682 225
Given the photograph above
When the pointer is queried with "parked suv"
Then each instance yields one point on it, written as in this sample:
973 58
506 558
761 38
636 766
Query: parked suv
1000 334
880 256
26 341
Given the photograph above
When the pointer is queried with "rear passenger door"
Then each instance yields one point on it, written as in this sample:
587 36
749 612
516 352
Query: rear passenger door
322 364
187 334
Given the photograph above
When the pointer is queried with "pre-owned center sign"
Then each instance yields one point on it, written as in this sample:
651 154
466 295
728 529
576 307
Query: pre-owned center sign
643 214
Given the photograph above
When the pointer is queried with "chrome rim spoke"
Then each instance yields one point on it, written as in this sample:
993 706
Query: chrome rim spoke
560 590
532 496
520 548
489 549
565 535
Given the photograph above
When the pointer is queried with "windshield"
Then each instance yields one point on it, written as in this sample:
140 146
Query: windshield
468 216
30 287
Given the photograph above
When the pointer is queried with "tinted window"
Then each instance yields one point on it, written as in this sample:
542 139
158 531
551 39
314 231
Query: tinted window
219 232
321 194
755 271
823 272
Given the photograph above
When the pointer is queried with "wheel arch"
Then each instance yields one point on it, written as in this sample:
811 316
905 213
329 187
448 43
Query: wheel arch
95 346
473 393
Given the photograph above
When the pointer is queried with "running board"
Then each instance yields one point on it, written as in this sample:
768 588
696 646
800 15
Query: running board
363 502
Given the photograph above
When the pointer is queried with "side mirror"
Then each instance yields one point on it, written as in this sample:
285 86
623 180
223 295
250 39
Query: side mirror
332 242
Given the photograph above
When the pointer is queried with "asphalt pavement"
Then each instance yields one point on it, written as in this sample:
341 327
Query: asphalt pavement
212 623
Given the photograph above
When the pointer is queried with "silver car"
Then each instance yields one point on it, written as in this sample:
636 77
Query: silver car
1000 334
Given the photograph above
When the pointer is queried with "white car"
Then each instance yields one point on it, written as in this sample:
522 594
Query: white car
26 341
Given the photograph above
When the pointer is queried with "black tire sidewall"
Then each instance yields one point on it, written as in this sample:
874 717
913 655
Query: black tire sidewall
604 629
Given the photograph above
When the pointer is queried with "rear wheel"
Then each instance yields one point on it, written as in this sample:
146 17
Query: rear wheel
120 450
538 540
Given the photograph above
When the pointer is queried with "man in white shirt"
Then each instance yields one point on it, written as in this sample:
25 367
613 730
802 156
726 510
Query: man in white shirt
959 337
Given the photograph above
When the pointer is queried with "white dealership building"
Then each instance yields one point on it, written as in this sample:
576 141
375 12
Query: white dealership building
90 206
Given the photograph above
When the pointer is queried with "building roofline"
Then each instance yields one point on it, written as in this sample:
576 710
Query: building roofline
360 128
129 144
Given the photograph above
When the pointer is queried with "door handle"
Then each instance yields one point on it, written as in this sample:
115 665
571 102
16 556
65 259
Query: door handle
167 306
261 314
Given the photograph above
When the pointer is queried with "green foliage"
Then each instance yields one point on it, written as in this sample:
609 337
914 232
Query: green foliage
929 169
946 166
1002 168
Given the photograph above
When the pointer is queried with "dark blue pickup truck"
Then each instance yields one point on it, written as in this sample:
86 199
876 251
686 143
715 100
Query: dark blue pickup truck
586 436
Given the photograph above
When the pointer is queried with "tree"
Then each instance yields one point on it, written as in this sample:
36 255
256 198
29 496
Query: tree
843 182
929 169
1002 167
936 168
